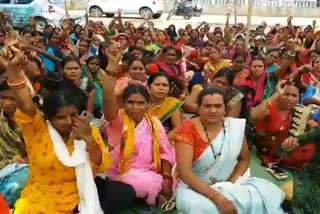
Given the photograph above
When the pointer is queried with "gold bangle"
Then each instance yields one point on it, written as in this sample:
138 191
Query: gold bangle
213 194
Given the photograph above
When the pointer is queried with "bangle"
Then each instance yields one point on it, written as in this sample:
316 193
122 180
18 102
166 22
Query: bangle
18 85
213 194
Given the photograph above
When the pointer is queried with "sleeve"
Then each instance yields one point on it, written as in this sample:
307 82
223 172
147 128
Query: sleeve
106 158
185 134
24 120
166 151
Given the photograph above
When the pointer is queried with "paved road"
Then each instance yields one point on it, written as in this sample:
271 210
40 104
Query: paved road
215 20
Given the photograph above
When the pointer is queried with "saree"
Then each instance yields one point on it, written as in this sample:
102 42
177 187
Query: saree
250 195
165 110
210 70
253 90
139 169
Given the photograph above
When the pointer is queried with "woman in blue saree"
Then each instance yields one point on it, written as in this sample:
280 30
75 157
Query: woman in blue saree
212 161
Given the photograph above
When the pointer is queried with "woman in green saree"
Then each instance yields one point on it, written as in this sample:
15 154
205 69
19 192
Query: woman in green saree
304 191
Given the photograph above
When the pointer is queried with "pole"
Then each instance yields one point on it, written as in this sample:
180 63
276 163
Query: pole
249 17
66 9
235 3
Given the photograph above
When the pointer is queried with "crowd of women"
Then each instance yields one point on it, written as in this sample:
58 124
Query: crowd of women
95 119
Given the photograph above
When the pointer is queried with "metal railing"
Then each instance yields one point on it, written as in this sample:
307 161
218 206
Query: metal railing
265 3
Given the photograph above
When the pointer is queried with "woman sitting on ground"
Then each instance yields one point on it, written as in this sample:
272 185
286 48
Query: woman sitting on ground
273 119
14 172
58 182
165 108
142 154
212 162
223 79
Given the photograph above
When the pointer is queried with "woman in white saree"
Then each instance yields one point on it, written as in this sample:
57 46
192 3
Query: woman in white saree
212 161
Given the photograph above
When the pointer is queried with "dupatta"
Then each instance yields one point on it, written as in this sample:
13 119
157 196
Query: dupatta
256 89
128 144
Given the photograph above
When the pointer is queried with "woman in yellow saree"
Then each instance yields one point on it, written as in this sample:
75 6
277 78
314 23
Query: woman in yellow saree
166 109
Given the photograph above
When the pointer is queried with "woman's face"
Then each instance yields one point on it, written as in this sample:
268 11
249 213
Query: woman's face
171 56
83 34
54 39
146 37
96 41
77 30
135 107
238 64
221 82
318 45
214 54
137 53
316 64
221 45
172 28
289 98
94 66
28 37
140 43
161 35
2 38
63 120
83 47
112 49
212 109
137 71
257 68
239 45
72 71
272 57
160 87
123 41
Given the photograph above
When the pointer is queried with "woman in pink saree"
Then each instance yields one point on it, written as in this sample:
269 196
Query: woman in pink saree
142 155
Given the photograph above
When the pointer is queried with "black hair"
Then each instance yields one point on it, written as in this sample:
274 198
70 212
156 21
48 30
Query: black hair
239 54
257 58
128 57
227 73
154 76
274 50
4 86
132 60
26 30
2 31
89 59
66 94
69 59
211 91
135 89
170 48
134 47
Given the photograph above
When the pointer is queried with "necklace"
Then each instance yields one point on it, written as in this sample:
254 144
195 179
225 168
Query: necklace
216 155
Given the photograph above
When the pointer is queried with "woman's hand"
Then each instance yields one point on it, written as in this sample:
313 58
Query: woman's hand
290 144
167 189
82 130
224 205
281 86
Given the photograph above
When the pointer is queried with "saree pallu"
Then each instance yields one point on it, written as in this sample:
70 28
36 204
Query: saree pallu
165 110
141 175
250 195
13 179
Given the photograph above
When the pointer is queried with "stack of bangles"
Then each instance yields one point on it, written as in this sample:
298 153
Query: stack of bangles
93 148
167 177
18 85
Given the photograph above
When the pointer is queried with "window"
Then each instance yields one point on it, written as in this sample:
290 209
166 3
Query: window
5 1
23 1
